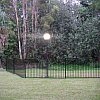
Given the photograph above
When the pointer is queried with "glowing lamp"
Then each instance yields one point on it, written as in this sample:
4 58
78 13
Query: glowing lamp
46 36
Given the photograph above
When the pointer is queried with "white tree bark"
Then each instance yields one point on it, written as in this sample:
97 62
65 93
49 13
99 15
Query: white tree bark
17 21
33 9
24 27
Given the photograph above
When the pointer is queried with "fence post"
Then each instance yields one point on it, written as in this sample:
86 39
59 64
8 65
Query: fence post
6 63
24 63
65 67
47 68
13 66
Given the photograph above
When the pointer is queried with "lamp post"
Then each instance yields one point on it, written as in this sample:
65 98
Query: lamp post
46 37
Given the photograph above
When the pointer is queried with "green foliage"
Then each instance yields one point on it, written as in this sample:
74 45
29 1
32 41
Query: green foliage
5 21
96 5
47 21
74 34
10 50
83 9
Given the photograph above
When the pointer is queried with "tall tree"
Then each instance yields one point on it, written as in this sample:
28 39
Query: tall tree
24 8
18 30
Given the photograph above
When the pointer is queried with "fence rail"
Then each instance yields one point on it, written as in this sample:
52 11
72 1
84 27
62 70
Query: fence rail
55 68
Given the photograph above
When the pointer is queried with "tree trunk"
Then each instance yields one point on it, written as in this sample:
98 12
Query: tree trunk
34 22
32 18
24 28
17 21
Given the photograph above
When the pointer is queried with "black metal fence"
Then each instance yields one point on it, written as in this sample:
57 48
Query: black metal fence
54 68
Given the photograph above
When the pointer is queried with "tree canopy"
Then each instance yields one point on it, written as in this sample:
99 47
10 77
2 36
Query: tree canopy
74 28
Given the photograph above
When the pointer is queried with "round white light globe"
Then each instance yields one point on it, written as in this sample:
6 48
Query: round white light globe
46 36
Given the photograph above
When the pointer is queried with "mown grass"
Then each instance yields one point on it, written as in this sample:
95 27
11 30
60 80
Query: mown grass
13 87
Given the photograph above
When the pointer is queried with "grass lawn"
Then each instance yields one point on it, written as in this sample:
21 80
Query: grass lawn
13 87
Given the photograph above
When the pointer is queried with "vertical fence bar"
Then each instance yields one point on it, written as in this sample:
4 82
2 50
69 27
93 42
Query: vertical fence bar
13 61
56 69
24 61
47 68
6 64
65 67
